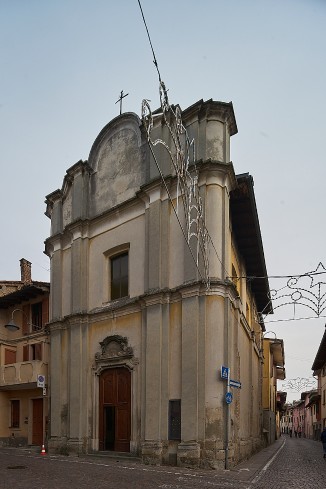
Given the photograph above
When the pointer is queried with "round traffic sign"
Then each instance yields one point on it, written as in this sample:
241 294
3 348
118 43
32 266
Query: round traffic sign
228 397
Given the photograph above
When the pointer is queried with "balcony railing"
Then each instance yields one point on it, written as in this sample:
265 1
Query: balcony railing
22 373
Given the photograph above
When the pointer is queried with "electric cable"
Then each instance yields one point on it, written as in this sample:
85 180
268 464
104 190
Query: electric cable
205 230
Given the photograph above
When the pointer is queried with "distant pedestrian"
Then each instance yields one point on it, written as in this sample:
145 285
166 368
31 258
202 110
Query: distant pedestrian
323 440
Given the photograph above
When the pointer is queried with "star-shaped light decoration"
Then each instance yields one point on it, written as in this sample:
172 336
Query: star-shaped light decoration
320 277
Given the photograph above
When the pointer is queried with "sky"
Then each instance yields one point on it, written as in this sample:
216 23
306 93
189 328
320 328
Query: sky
65 62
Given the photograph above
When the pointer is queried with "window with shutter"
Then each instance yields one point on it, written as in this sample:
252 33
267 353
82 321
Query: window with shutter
10 356
25 353
37 351
37 316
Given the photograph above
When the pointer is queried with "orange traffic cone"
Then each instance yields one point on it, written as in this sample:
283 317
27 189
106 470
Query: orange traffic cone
43 452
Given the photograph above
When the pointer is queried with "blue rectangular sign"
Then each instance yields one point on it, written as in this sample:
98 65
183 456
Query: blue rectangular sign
235 383
224 372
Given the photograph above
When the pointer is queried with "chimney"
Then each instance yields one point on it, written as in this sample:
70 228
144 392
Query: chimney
25 271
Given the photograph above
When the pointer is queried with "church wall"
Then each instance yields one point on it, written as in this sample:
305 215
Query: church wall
245 401
177 332
129 234
117 161
175 341
176 255
66 291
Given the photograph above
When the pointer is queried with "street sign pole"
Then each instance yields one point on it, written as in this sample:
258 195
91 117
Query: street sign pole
227 424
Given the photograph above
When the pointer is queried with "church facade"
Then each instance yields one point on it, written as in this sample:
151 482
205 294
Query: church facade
149 297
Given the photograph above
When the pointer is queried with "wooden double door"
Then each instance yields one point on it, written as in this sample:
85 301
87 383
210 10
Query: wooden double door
115 410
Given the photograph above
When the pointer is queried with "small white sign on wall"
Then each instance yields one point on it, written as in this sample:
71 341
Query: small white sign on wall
41 381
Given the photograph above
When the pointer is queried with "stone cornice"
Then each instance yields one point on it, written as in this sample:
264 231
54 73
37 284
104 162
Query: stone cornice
156 297
128 306
57 325
211 109
50 200
142 198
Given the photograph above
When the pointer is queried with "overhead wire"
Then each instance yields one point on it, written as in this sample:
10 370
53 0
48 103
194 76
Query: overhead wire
246 277
150 41
154 156
175 211
159 169
293 319
254 277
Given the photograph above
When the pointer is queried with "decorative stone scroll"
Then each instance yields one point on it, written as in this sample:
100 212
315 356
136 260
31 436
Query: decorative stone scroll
115 351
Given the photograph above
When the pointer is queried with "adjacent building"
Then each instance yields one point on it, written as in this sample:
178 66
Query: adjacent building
319 370
280 410
299 418
24 351
312 427
287 419
273 370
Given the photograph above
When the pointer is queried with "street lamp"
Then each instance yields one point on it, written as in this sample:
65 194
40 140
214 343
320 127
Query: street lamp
12 326
267 332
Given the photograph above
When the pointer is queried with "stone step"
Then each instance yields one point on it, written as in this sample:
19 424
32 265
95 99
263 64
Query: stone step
126 456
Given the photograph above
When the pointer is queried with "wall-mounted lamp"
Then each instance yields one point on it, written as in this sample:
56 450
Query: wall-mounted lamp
12 326
267 332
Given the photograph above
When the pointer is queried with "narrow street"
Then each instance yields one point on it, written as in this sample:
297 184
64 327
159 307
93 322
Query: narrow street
299 463
289 463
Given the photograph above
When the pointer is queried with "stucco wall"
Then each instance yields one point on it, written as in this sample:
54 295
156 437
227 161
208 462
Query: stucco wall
179 331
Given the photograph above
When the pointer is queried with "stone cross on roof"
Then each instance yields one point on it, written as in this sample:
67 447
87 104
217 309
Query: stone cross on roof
122 95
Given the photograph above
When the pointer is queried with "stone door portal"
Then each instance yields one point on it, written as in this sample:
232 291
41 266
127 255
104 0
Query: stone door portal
115 410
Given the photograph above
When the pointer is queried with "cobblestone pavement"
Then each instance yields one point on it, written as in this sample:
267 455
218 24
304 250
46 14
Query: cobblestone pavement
299 463
288 463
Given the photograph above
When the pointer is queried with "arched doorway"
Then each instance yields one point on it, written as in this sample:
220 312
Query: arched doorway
115 409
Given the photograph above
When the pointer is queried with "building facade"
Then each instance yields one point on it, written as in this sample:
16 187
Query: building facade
280 411
318 400
24 357
299 418
311 401
287 420
273 370
140 327
319 370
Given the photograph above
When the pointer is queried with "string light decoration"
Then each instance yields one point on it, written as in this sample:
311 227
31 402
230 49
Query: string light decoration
181 153
299 384
307 290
